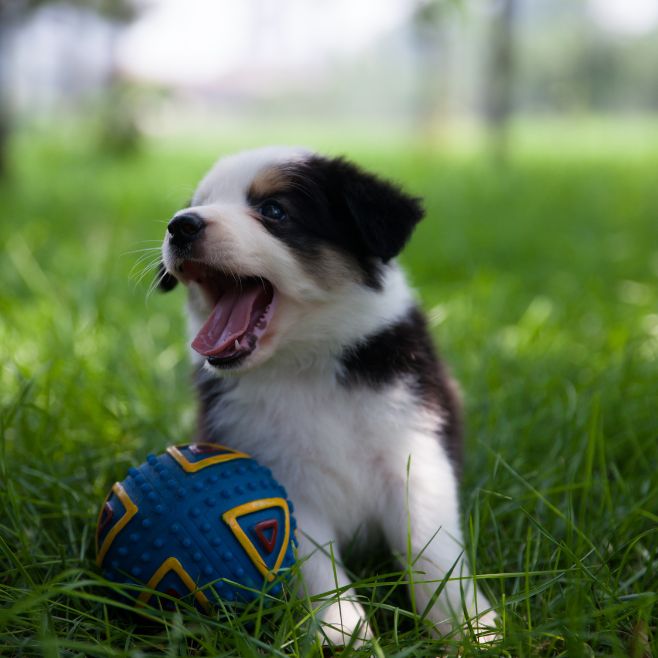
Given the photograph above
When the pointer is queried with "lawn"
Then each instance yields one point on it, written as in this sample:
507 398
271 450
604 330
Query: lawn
540 281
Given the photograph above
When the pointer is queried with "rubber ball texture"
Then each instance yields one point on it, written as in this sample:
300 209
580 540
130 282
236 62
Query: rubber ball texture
200 520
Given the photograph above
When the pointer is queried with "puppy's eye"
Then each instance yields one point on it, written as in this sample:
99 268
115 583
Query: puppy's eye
273 210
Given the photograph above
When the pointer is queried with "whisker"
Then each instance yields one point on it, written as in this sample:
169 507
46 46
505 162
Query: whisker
147 270
139 251
154 284
138 271
138 279
145 257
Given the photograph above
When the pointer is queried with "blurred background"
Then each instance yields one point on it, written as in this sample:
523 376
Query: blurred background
434 71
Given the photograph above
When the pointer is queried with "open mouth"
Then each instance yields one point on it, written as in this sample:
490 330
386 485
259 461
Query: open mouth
242 310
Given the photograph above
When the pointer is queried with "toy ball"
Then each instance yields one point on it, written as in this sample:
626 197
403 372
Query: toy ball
200 520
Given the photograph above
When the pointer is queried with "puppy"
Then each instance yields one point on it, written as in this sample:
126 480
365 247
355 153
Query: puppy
313 356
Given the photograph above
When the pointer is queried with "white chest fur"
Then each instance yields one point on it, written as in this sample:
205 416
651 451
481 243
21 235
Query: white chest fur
337 450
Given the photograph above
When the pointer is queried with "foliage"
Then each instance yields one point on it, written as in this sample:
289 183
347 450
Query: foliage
540 283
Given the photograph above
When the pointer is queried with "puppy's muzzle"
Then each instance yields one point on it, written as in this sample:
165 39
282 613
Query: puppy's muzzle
185 229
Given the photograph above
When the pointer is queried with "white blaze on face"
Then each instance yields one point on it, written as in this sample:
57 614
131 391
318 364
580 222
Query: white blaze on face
230 178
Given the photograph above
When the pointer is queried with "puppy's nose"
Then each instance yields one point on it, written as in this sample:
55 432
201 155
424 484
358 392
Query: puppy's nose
185 228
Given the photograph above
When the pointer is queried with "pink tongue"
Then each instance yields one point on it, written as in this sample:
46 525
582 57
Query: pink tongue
228 322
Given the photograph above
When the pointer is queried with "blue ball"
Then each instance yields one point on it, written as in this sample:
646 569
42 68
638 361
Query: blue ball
200 520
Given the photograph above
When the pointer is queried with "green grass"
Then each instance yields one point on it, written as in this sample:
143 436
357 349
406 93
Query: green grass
540 279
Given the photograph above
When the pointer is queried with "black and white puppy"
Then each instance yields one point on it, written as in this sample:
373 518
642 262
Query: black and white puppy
314 358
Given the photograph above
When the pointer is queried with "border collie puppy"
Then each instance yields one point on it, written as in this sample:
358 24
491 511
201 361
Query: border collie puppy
314 357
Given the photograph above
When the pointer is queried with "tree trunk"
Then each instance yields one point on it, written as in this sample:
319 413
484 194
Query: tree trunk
5 116
432 55
500 78
10 12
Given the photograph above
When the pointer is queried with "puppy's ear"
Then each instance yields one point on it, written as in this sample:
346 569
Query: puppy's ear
166 281
383 214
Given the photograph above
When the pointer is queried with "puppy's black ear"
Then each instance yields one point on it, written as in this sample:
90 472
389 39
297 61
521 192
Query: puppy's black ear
383 214
166 281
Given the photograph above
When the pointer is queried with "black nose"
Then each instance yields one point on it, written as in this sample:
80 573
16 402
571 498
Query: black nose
185 228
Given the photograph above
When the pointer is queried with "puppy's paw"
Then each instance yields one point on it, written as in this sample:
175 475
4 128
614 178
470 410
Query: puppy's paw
485 628
344 622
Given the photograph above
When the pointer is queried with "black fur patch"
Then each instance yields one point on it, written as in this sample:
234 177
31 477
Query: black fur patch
210 390
331 201
406 349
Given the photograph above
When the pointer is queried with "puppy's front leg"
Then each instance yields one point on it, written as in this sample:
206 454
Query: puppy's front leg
422 524
343 617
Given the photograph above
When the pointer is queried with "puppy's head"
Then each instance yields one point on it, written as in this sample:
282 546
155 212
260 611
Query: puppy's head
273 239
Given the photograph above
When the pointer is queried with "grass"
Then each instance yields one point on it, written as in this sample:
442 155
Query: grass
540 281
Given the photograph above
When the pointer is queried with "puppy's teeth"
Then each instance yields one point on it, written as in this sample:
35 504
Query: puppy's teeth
237 345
